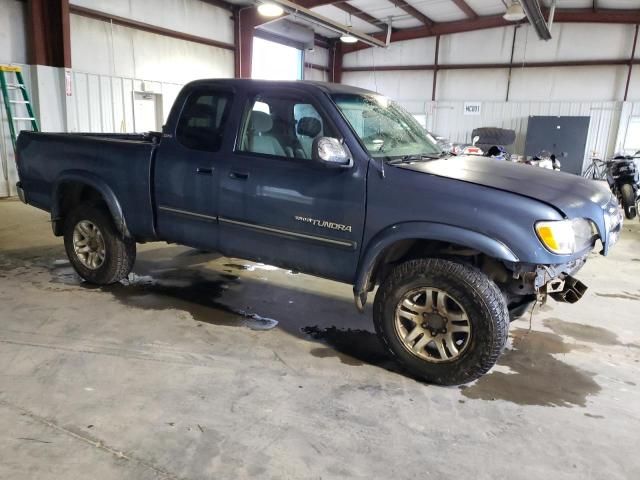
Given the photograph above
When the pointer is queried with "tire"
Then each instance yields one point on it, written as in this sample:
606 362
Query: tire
118 253
628 198
465 289
494 136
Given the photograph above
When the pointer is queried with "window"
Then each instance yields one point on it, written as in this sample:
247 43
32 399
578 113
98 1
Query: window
282 127
201 125
274 61
385 128
632 136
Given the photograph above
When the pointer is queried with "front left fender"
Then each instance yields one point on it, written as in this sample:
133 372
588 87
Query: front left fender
423 231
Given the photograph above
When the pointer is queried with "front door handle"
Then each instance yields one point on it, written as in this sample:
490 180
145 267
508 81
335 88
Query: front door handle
204 171
239 175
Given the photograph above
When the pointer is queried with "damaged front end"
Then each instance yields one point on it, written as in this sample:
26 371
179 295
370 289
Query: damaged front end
532 282
535 283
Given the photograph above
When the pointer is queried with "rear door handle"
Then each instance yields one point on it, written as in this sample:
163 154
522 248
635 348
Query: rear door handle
239 175
204 171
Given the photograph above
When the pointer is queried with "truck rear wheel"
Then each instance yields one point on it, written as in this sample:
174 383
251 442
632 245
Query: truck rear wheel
97 251
446 322
628 201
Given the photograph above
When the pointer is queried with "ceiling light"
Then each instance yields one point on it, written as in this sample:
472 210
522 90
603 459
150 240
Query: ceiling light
270 10
514 13
348 39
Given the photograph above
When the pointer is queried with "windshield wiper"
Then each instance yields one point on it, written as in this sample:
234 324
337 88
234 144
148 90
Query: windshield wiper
413 158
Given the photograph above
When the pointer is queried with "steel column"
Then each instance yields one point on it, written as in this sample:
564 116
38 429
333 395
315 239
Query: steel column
631 62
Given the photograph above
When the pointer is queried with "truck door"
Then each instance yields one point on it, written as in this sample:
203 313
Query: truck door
278 205
187 170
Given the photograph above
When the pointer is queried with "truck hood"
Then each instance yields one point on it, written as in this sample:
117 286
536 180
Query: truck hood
572 195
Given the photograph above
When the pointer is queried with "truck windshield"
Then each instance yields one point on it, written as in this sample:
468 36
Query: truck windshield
385 128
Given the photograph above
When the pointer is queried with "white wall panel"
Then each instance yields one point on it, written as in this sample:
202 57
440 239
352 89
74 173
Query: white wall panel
472 84
315 75
13 39
408 86
481 46
411 52
188 16
103 103
568 83
575 41
105 49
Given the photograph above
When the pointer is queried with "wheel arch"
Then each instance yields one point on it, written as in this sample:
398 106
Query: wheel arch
75 186
414 239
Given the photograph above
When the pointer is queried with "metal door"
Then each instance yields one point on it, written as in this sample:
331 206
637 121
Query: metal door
559 135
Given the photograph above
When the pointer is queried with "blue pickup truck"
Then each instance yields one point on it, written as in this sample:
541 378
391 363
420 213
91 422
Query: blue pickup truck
337 182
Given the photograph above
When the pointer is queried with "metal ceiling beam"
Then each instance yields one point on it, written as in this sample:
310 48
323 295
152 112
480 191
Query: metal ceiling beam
316 3
444 28
602 15
464 6
586 15
414 12
356 12
221 4
313 17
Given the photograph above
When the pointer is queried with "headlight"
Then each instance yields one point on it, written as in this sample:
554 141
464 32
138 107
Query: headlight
565 237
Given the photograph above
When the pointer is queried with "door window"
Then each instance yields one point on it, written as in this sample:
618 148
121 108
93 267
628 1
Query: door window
201 125
282 127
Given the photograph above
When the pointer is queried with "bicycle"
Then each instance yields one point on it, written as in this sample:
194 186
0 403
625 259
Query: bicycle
597 169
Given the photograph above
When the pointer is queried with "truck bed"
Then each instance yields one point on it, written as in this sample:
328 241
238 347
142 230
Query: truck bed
120 162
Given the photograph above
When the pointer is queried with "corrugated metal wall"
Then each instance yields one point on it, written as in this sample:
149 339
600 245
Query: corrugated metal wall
447 118
103 103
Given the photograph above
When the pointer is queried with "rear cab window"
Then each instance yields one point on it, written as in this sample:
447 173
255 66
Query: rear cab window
203 119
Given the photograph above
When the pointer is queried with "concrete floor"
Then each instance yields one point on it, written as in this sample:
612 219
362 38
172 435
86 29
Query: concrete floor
178 373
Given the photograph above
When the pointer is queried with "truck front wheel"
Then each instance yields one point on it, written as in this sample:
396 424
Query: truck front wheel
446 322
97 251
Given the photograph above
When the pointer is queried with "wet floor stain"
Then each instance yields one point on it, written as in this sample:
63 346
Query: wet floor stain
326 352
351 347
189 290
582 333
623 295
536 377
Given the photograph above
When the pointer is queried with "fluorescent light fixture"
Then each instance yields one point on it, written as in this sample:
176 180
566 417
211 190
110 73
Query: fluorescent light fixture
270 10
348 39
514 13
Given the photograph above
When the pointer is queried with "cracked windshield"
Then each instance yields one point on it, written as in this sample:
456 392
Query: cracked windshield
385 128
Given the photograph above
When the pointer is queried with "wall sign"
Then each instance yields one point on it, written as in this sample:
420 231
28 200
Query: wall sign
472 108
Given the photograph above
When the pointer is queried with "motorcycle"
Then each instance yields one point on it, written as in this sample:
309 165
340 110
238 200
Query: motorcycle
624 181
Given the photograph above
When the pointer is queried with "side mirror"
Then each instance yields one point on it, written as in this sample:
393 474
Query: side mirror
331 152
475 140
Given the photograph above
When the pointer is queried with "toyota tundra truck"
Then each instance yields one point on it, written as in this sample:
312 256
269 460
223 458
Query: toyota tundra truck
337 182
